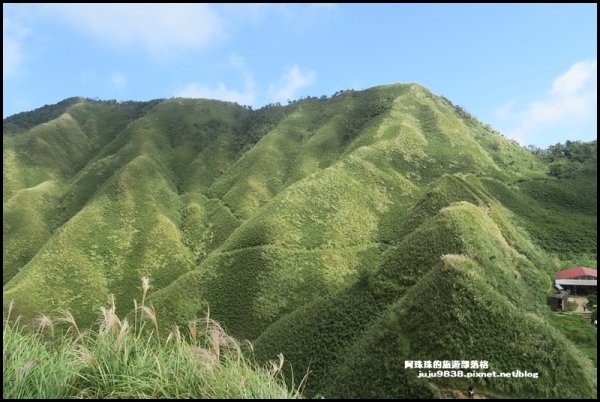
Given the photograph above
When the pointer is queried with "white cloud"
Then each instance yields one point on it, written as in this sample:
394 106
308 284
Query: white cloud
239 64
119 80
575 78
220 90
286 88
158 27
13 36
569 103
11 56
506 112
293 80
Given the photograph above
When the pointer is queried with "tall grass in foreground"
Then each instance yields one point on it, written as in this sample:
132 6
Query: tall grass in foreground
118 360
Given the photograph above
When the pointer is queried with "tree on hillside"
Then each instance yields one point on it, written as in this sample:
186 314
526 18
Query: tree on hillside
573 158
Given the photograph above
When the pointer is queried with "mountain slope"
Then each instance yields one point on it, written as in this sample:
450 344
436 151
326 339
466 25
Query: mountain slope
303 226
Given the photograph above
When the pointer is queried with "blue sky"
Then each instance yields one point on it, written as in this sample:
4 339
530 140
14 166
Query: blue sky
530 71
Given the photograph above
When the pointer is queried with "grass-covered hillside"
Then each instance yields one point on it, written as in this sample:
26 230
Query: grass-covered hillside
349 233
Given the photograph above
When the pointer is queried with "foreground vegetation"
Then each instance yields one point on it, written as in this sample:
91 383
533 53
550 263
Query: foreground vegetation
116 359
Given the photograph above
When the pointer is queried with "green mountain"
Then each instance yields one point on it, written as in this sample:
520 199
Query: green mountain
351 233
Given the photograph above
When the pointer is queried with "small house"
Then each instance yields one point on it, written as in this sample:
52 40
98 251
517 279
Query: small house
579 280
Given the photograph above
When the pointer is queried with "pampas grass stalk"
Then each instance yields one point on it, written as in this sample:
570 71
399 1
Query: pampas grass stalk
116 360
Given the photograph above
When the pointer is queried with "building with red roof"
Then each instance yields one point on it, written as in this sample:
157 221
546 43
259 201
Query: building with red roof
577 279
576 273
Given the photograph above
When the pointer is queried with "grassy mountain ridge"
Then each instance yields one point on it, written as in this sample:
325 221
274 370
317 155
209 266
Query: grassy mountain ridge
303 226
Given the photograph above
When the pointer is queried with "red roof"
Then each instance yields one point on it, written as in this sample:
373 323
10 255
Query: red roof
575 272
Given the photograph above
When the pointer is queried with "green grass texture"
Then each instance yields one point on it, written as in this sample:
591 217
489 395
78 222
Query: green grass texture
349 233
